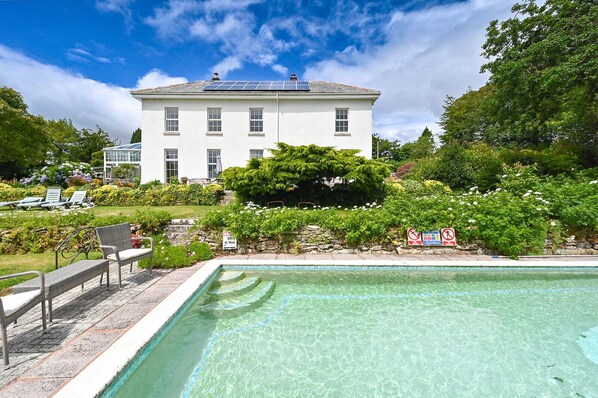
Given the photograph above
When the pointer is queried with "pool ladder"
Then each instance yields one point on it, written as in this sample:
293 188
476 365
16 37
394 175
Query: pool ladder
233 294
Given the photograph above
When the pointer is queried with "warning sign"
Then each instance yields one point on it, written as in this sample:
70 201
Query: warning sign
431 238
228 241
414 238
448 237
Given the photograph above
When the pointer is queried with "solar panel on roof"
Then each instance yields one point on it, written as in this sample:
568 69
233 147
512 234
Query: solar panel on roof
268 85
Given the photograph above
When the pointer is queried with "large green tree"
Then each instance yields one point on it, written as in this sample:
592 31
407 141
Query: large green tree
322 175
544 73
23 138
136 136
89 142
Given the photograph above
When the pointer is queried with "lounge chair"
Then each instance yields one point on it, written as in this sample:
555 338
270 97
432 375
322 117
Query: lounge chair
75 200
15 305
14 203
116 246
52 196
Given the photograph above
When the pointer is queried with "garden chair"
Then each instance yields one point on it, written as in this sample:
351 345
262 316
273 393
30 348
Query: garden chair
52 196
116 245
75 200
15 203
15 305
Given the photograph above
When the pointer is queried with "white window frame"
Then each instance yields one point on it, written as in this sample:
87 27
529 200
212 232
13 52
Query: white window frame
256 153
171 121
214 124
212 161
171 158
341 122
256 125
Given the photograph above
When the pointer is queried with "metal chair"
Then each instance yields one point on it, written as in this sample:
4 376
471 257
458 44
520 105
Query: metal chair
15 305
116 246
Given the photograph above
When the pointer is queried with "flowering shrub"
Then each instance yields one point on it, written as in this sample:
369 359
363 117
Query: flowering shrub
167 255
76 174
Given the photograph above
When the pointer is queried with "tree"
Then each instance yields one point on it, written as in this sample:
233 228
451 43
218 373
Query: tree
64 137
423 147
23 136
322 175
89 142
466 119
387 149
136 136
544 71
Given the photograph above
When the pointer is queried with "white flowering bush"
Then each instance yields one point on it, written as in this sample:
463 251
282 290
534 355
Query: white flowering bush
67 173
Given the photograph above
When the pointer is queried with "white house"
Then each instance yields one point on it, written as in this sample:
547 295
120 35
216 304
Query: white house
194 129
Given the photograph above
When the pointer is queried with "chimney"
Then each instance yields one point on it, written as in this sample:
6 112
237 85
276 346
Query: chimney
215 77
293 77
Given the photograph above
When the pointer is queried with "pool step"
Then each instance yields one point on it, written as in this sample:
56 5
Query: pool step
226 277
239 305
234 289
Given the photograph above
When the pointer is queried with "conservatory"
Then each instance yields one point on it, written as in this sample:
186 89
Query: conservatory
117 156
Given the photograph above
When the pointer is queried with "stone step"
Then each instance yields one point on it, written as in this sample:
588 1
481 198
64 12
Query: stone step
228 277
234 289
240 305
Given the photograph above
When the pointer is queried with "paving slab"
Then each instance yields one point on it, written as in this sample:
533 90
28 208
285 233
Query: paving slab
33 388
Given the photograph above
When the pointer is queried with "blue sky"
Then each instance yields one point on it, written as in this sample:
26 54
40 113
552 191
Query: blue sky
79 59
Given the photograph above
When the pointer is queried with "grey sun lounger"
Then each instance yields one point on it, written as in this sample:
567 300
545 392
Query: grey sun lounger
15 203
75 200
52 196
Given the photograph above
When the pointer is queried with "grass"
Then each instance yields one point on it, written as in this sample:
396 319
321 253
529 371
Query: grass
105 211
16 263
175 211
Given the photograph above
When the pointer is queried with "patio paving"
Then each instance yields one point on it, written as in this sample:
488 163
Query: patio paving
87 322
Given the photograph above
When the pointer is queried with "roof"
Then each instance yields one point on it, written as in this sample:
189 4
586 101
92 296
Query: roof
316 88
125 147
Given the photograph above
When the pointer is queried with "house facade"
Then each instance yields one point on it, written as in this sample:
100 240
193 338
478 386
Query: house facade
195 130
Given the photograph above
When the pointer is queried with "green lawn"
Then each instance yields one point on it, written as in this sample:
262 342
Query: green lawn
104 211
12 264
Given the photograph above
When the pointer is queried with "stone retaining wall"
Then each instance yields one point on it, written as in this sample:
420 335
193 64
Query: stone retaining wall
314 239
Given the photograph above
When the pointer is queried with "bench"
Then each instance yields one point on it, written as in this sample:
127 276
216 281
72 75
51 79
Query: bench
65 278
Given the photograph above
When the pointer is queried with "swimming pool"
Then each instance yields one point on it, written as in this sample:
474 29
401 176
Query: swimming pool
392 331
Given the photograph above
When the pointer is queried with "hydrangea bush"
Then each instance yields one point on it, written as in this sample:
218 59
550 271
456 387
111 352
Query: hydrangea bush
64 174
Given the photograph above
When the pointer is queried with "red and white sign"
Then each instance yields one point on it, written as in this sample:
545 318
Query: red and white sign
448 237
414 238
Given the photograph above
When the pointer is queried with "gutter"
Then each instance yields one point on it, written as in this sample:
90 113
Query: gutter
277 120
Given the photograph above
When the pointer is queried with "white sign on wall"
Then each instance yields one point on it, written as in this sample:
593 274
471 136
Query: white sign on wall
228 241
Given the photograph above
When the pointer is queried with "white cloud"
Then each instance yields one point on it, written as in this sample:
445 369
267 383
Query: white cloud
280 69
226 23
427 54
157 78
79 54
227 65
55 94
119 7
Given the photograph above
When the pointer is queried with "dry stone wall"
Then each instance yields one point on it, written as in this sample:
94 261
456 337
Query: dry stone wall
314 239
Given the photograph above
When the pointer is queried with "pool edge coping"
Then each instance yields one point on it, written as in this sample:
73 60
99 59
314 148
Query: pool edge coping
98 374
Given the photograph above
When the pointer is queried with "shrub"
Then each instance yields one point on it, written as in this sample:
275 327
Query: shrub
168 256
322 175
59 175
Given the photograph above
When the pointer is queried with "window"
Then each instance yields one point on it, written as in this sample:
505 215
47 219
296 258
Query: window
214 120
111 156
342 121
122 156
135 156
172 120
256 153
256 121
214 163
171 163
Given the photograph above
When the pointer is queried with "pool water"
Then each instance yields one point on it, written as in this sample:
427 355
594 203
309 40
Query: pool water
386 332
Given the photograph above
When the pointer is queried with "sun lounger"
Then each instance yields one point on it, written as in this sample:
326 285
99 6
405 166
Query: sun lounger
14 203
75 200
52 196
